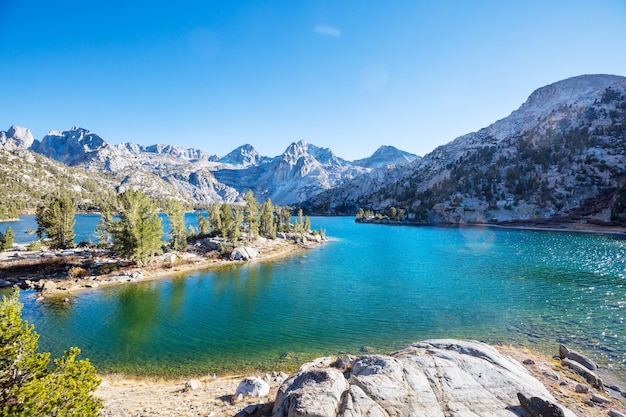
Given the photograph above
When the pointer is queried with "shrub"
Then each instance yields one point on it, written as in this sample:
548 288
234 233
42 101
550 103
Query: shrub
77 272
34 246
28 385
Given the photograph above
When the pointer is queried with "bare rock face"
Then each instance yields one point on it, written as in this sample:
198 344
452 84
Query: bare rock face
434 378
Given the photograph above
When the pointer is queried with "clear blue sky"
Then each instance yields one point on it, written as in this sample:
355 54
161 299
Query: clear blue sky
350 75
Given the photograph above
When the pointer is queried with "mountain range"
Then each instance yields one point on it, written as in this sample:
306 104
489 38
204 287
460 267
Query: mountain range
561 156
194 175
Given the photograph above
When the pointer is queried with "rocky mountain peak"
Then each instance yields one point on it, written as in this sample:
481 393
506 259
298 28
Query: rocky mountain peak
80 147
16 137
243 156
386 155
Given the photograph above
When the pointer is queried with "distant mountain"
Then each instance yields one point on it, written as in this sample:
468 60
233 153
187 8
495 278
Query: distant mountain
27 177
385 156
16 138
244 156
166 171
299 173
561 155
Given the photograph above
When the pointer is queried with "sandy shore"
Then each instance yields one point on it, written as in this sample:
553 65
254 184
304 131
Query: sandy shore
130 397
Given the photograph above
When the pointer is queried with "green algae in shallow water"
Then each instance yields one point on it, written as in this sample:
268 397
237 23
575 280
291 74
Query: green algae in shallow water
377 286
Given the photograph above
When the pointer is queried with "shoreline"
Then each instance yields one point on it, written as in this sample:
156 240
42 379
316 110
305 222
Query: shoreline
565 227
185 262
214 396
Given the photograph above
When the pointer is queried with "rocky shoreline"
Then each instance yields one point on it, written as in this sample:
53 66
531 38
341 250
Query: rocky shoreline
57 273
433 378
546 225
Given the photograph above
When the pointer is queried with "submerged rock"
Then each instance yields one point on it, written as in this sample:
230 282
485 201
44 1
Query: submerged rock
434 378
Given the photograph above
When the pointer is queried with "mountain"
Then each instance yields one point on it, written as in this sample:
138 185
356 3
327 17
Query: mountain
298 174
172 172
385 156
80 147
16 138
27 177
560 156
244 156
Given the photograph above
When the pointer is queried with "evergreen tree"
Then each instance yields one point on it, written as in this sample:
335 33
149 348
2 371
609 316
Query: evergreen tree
235 231
251 215
226 220
57 221
6 239
28 385
267 224
215 216
138 232
204 225
307 224
178 233
102 228
285 220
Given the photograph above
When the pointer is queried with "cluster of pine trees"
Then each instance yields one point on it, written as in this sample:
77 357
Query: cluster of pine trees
131 226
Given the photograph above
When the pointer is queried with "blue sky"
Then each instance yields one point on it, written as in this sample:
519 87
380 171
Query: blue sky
348 75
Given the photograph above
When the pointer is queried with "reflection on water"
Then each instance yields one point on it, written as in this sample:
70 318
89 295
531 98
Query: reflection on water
373 286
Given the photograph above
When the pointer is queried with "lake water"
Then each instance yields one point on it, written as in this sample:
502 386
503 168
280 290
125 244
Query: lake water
371 288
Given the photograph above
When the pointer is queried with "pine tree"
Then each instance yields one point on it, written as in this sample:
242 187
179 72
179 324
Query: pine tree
28 385
307 225
267 226
215 216
251 216
57 221
204 225
138 232
6 239
102 228
178 233
226 220
235 233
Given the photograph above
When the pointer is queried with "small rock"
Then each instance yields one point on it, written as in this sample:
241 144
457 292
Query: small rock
255 410
529 362
564 352
253 387
581 389
552 375
599 399
613 413
539 407
48 286
583 371
192 385
4 283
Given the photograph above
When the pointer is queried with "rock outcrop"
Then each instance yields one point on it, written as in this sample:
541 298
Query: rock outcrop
16 138
253 387
434 378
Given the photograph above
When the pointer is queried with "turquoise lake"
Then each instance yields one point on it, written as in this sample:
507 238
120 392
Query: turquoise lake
371 288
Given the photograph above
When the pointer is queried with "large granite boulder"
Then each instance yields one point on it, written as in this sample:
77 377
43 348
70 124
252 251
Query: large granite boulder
434 378
243 253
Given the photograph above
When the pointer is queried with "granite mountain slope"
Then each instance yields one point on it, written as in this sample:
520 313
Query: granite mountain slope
166 171
560 156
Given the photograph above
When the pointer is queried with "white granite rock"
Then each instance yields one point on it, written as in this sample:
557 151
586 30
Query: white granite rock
435 378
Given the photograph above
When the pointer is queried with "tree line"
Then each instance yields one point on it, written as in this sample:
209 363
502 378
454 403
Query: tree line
133 229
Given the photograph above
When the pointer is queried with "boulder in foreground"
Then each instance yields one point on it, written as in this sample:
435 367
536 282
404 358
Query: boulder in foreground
434 378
